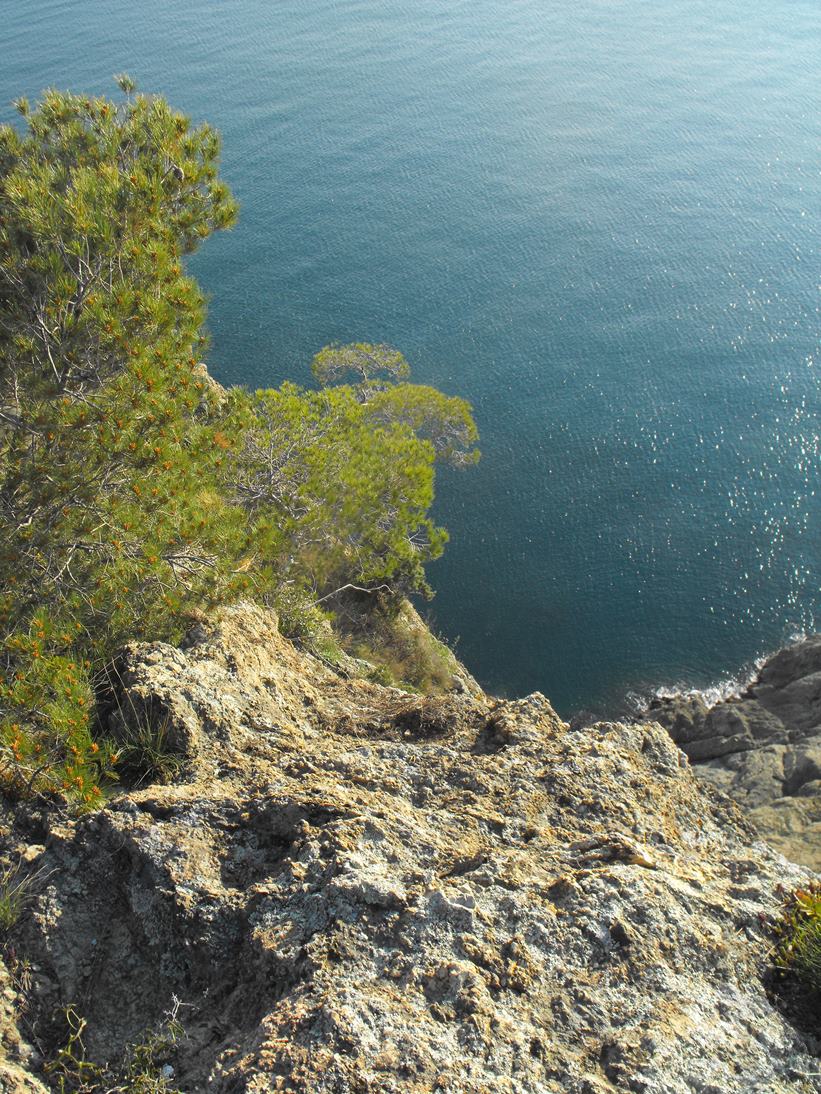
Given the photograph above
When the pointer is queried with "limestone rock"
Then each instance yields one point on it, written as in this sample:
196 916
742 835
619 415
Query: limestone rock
353 890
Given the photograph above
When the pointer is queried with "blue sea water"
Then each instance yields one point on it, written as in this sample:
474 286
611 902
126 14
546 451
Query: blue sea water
599 221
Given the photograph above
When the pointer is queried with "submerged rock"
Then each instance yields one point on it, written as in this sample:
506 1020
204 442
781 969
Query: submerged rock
763 747
351 889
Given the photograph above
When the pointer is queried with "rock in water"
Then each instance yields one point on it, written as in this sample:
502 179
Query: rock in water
354 890
763 747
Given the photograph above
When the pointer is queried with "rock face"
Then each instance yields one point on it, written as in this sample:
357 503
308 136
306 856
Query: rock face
763 748
354 890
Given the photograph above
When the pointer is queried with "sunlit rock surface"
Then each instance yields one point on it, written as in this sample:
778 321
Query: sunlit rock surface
352 889
763 747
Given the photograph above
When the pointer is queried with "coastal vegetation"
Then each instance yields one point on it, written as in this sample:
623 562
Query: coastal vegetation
143 1068
798 950
135 492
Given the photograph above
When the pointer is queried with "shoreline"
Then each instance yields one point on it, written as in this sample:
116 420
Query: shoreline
634 703
757 739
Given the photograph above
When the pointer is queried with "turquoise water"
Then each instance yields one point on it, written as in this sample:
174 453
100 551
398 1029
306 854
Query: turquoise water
599 221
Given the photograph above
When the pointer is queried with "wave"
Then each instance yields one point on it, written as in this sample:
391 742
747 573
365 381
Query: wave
729 687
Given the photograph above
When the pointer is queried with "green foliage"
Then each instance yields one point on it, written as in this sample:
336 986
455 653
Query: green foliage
46 742
386 631
365 360
301 620
339 482
799 931
134 492
110 521
333 498
379 674
443 420
142 1067
144 753
141 1070
70 1071
107 514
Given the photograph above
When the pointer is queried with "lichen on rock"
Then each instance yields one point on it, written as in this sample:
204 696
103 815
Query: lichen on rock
356 890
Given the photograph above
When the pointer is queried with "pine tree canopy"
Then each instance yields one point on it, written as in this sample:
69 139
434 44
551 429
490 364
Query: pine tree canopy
134 491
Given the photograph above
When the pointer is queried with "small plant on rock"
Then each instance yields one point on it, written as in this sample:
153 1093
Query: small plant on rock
70 1071
15 894
145 754
799 931
144 1068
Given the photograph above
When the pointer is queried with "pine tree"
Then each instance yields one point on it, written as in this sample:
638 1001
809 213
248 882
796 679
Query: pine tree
133 490
110 521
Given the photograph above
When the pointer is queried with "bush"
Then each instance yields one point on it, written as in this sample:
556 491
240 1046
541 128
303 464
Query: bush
46 743
386 631
301 620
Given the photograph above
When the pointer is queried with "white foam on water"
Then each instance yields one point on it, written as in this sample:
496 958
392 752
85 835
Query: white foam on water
730 687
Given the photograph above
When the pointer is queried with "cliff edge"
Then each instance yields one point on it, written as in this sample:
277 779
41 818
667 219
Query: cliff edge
351 889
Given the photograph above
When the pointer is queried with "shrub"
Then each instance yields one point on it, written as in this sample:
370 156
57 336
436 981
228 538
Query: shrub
386 631
46 744
304 622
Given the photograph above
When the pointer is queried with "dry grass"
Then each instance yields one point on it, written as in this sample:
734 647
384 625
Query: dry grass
389 634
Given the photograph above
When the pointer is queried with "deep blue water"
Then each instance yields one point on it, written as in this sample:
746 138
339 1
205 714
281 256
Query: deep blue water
599 221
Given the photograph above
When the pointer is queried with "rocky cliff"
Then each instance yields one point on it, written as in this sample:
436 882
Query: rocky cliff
762 747
353 890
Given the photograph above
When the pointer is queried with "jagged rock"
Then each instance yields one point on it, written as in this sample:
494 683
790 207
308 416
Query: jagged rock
762 747
354 890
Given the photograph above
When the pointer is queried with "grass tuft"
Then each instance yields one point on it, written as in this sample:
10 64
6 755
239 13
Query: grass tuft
144 752
15 895
799 937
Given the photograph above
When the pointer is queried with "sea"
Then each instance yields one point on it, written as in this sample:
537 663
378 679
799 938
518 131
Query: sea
597 220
